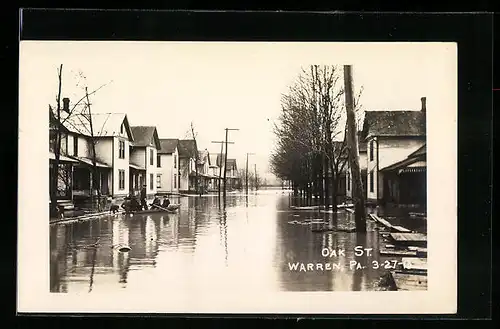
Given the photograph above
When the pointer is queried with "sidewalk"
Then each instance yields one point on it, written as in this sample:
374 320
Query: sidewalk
77 216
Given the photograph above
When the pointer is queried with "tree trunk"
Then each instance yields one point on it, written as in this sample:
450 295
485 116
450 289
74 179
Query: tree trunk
334 182
325 183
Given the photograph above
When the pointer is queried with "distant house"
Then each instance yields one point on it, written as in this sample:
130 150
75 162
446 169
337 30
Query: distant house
168 166
232 178
111 134
188 150
204 169
391 136
143 157
214 171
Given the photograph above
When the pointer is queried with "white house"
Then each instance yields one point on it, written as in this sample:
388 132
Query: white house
363 161
187 149
143 159
168 166
110 134
391 136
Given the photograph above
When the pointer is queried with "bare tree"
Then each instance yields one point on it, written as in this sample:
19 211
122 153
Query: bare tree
310 150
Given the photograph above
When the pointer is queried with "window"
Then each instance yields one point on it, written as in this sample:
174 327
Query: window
158 181
121 179
348 181
371 150
158 161
371 181
151 157
175 160
121 129
136 182
75 146
151 178
175 180
121 149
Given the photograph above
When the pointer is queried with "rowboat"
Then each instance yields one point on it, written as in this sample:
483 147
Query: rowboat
171 209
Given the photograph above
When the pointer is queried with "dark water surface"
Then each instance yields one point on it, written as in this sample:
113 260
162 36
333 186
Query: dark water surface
249 245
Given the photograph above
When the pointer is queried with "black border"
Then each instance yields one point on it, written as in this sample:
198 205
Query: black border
472 32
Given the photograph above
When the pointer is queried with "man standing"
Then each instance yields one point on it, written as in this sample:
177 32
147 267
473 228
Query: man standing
144 205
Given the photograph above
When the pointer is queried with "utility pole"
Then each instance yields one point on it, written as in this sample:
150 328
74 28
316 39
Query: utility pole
352 146
246 173
220 160
225 159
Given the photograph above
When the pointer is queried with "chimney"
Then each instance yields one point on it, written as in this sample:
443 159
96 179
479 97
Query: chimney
423 104
66 104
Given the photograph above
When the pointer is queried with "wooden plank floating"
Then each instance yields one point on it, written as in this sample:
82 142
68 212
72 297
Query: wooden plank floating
397 252
407 281
407 238
401 229
388 225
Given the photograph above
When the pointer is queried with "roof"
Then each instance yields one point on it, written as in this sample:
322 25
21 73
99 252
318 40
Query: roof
88 162
145 136
187 148
134 166
168 145
103 124
416 159
62 158
422 151
394 123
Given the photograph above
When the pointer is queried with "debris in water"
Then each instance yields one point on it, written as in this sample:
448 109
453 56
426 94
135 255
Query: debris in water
124 249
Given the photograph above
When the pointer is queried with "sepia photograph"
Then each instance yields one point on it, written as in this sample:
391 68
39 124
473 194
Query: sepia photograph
237 177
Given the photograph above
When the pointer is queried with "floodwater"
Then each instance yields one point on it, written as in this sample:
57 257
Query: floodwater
251 243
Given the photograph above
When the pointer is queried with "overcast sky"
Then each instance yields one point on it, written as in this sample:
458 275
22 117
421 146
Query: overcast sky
234 85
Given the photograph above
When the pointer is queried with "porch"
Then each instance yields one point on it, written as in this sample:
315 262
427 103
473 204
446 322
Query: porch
86 184
405 184
64 188
137 178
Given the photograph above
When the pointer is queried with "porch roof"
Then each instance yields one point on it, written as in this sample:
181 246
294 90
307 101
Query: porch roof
407 165
131 165
62 158
88 161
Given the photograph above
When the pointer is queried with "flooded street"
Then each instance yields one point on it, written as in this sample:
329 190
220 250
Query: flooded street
250 244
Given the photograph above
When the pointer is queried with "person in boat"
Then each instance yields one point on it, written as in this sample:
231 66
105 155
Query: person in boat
144 204
156 202
166 202
126 205
134 204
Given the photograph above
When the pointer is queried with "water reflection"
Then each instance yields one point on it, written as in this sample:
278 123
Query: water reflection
242 243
